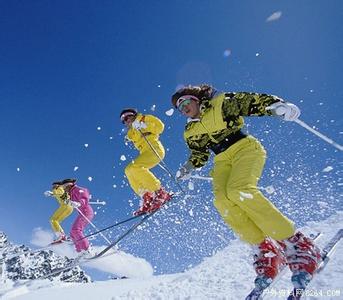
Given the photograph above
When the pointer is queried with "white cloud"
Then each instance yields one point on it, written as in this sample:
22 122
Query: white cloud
122 264
41 237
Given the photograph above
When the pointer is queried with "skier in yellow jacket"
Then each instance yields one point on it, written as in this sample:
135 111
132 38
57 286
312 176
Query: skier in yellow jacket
144 132
215 124
63 211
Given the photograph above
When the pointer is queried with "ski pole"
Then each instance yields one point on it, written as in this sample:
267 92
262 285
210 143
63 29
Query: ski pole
97 202
90 222
111 226
162 164
202 177
130 230
320 135
281 110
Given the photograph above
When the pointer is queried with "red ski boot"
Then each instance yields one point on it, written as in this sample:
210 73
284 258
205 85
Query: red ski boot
147 200
267 262
161 197
303 257
60 239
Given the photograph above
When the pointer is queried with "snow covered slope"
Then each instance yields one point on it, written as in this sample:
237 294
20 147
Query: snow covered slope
226 275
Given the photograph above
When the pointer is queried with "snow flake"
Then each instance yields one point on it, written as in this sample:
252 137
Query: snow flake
269 254
257 54
327 169
274 16
122 157
86 145
18 169
322 204
227 53
158 85
90 178
190 185
98 128
153 107
114 186
170 112
111 137
269 189
76 168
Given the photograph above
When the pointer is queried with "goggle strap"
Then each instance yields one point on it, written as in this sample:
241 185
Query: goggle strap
184 98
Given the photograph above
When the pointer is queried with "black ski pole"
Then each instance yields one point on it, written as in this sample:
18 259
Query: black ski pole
116 241
109 227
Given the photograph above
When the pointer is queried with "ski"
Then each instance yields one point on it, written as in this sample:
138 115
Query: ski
131 229
326 255
111 226
77 261
257 294
126 233
91 236
123 221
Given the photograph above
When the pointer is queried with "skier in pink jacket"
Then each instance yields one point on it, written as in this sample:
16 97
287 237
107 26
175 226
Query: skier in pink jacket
79 199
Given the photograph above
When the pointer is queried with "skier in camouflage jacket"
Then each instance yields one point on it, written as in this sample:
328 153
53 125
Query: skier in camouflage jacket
215 122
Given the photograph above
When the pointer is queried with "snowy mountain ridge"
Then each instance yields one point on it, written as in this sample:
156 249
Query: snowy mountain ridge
226 275
19 262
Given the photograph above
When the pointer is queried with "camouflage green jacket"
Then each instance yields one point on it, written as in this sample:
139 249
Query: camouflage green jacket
220 117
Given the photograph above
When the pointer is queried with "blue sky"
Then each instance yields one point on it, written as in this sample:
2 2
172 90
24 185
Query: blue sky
69 67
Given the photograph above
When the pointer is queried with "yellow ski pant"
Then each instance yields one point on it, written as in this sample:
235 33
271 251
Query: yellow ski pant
59 215
138 172
242 206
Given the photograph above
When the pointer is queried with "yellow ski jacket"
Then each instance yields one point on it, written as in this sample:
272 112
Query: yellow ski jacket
221 117
152 132
59 194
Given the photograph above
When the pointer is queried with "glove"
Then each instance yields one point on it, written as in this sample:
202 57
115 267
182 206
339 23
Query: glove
184 173
138 125
74 204
65 198
48 193
288 111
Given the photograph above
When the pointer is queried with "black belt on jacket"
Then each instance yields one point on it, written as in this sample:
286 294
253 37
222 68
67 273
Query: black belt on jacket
227 142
